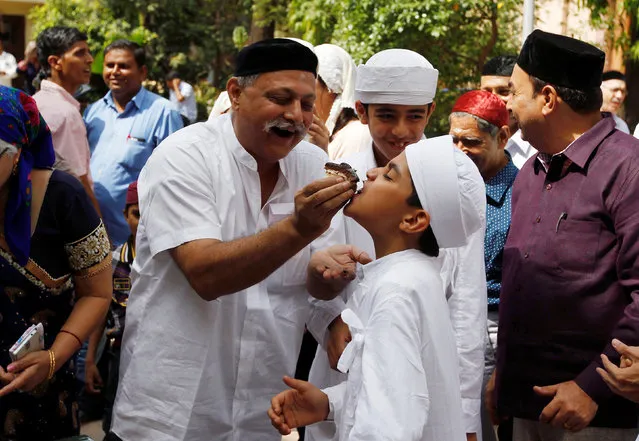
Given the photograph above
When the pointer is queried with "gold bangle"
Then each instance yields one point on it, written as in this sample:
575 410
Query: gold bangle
51 364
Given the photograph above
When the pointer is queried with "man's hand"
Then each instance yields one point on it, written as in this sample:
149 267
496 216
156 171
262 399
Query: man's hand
318 202
622 380
338 337
25 374
92 378
320 136
571 408
302 405
490 399
334 268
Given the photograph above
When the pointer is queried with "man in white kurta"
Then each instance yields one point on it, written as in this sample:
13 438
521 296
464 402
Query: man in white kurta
462 269
197 366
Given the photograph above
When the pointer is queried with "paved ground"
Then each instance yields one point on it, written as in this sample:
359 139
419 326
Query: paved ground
94 430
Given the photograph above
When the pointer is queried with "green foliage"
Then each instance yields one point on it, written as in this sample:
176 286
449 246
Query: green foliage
457 36
198 38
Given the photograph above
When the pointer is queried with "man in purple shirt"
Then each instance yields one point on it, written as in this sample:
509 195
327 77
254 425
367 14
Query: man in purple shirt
571 262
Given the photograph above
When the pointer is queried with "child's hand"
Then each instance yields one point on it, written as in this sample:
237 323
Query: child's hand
302 405
335 268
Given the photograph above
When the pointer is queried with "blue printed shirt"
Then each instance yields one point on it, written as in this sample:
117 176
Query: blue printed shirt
498 197
120 144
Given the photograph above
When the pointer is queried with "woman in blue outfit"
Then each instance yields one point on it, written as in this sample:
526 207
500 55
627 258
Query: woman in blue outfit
54 269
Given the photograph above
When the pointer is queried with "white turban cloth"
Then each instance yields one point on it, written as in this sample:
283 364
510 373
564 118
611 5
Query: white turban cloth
221 105
396 76
449 188
337 70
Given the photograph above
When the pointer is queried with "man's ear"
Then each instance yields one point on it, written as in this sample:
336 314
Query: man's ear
145 72
551 99
415 222
53 62
234 90
361 112
503 136
430 112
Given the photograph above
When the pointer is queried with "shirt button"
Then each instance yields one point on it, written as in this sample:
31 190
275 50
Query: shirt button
526 256
548 186
538 219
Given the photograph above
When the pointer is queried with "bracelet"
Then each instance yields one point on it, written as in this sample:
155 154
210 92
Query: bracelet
51 364
71 333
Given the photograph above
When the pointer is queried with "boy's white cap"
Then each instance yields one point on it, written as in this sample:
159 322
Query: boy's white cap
396 76
337 69
450 189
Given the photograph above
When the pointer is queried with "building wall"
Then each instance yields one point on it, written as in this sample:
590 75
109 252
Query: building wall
20 8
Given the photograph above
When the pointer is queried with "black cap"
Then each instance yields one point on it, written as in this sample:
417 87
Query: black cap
562 61
275 54
613 75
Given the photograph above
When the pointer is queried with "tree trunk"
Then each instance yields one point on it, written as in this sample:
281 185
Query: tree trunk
261 26
565 14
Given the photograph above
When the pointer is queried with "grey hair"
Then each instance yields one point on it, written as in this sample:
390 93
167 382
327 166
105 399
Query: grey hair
247 81
482 124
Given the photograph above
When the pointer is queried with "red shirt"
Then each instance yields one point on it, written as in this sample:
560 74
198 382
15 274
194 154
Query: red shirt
571 274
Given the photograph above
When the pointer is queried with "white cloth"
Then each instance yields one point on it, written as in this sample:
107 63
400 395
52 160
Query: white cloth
188 107
221 105
196 370
464 277
401 361
9 66
337 70
520 150
448 185
636 134
354 137
396 76
621 124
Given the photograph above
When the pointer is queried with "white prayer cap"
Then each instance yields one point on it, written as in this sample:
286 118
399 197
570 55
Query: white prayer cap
221 105
450 189
303 42
337 70
396 76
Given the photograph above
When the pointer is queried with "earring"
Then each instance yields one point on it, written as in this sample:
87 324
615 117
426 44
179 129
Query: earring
15 167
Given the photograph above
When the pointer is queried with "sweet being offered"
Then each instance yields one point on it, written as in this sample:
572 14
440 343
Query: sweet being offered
344 170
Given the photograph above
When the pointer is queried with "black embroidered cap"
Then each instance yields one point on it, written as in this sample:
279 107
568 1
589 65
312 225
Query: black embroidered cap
562 61
275 54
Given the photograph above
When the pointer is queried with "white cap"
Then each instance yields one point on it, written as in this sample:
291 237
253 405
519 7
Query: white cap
302 42
337 70
450 189
221 105
396 76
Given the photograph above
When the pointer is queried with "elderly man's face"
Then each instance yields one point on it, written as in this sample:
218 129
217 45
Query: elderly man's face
525 107
614 93
272 115
485 150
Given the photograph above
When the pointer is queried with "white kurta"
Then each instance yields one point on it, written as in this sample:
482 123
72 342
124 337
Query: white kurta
402 360
196 370
354 137
464 277
519 149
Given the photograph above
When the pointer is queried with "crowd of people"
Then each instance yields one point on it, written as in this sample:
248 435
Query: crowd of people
480 285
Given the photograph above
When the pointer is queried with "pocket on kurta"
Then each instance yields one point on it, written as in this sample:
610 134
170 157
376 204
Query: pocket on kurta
575 248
